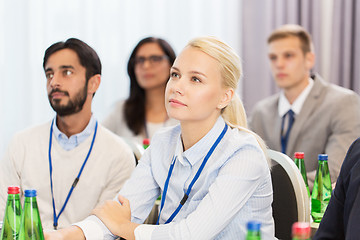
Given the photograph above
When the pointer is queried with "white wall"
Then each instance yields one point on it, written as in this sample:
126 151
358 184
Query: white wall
111 27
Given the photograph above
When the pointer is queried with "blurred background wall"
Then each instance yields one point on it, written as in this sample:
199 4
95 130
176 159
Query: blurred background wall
113 27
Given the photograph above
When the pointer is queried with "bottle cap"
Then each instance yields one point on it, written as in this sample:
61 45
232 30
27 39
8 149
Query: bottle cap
146 141
301 229
299 155
323 157
13 190
30 193
253 226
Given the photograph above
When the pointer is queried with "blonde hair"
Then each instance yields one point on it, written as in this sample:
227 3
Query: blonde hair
231 70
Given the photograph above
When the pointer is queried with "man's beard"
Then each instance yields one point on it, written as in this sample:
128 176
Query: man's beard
73 106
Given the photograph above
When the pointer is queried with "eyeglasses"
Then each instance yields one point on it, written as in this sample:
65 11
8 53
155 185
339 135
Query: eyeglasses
153 59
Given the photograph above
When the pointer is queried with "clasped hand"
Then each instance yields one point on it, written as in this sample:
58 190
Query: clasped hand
114 214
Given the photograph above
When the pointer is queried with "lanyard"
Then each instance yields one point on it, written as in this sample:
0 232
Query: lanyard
186 195
56 217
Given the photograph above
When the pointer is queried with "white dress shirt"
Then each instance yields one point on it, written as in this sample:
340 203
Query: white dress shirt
234 188
285 106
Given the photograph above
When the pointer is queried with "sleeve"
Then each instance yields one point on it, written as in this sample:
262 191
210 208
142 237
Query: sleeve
144 232
141 188
332 224
94 229
236 183
123 164
345 128
9 175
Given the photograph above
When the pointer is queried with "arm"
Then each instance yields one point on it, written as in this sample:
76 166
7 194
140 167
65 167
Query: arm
143 191
345 128
70 233
122 165
228 195
117 217
9 175
235 185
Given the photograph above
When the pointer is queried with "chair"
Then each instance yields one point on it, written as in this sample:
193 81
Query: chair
290 197
137 149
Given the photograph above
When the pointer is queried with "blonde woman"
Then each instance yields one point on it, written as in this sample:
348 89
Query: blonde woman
211 171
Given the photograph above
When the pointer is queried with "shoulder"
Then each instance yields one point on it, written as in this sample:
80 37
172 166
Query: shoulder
239 139
240 154
244 145
118 106
114 147
334 91
342 99
30 139
166 135
115 119
42 130
112 140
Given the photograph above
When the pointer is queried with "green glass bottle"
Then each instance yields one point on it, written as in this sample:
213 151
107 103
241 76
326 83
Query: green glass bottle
31 227
299 162
322 189
12 215
301 231
253 230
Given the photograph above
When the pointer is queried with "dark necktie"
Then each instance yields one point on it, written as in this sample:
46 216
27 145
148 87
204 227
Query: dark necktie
285 136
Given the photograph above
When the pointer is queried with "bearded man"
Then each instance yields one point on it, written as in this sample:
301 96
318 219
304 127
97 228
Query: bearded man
72 161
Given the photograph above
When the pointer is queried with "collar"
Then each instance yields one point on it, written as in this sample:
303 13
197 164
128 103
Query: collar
74 140
199 150
284 105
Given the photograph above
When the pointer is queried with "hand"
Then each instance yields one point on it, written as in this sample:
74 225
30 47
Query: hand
114 215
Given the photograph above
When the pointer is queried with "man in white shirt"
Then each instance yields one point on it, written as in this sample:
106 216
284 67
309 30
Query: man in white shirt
309 114
72 161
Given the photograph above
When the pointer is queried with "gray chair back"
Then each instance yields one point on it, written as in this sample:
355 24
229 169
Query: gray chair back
290 197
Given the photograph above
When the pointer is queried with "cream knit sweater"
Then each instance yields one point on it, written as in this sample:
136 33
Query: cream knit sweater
26 164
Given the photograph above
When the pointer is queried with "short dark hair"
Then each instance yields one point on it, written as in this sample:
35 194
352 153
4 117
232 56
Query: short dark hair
134 109
293 30
87 56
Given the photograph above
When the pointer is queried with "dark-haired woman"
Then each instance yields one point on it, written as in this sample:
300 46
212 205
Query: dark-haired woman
143 113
